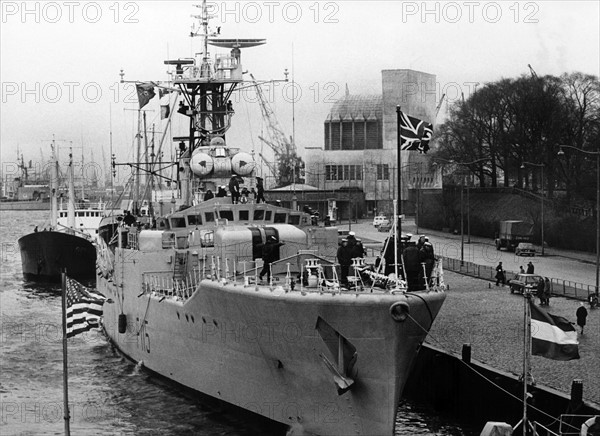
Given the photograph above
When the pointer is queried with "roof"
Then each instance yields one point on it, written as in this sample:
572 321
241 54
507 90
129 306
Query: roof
360 107
297 187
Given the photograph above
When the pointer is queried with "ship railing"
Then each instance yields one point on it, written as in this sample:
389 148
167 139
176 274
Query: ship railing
164 284
133 240
83 206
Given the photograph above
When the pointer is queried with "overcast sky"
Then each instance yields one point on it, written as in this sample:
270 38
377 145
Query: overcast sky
60 61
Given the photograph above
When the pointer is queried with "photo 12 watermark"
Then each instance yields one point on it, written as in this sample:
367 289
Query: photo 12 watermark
69 12
470 12
274 11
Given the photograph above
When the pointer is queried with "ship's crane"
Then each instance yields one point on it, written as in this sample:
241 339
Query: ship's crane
288 162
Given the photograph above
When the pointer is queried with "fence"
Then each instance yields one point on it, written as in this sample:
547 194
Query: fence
565 288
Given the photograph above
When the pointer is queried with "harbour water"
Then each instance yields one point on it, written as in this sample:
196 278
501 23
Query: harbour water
108 394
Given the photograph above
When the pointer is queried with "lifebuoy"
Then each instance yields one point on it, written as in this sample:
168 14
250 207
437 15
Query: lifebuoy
592 422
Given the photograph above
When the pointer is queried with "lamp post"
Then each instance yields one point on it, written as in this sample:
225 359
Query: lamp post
540 165
462 185
597 154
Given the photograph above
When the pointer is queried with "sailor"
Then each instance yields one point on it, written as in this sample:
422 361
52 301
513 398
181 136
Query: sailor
260 190
270 254
222 192
356 246
344 256
234 188
208 195
129 219
35 229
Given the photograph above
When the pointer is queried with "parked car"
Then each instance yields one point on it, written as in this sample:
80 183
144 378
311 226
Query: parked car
525 248
524 281
380 219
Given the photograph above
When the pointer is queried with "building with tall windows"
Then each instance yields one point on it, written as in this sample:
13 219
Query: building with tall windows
358 158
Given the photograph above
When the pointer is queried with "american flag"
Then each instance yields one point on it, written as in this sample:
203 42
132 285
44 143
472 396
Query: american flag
84 308
415 134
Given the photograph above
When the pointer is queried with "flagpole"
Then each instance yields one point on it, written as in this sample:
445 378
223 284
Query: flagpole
526 356
67 416
399 148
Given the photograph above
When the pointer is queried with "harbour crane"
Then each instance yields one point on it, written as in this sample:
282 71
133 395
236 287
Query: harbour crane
288 163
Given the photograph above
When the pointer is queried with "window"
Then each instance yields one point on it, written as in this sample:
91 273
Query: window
343 172
177 222
294 219
194 220
268 215
347 135
280 218
373 140
259 215
383 172
227 214
244 215
209 217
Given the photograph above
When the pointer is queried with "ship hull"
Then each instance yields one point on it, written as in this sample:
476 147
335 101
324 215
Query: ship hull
44 255
262 349
24 205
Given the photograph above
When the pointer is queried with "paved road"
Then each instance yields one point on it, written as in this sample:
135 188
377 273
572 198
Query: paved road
491 320
573 266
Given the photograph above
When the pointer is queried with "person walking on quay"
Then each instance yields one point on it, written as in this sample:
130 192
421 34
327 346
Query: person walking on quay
581 315
540 291
530 268
500 274
547 291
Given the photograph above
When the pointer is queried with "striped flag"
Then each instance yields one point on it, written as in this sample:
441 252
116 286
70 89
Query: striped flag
553 337
415 134
145 93
84 308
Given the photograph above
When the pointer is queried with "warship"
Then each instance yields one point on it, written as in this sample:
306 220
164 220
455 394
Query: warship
191 299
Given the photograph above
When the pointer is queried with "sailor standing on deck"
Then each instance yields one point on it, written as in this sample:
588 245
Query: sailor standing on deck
270 254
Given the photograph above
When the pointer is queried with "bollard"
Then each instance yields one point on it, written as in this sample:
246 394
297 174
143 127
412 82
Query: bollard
466 353
576 392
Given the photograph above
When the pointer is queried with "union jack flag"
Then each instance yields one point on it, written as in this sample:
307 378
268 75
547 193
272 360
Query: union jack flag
84 308
415 134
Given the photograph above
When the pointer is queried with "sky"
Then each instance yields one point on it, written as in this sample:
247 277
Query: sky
60 61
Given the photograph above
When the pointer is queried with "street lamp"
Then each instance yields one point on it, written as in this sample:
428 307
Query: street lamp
597 154
541 165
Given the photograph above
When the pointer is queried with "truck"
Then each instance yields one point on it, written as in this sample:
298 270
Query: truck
511 233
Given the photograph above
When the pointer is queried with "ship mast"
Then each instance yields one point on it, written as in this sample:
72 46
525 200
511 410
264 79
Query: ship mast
71 204
53 188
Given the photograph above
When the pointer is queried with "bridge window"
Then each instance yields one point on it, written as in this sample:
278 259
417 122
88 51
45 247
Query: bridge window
259 215
194 220
294 219
209 217
177 222
227 214
244 215
280 217
268 215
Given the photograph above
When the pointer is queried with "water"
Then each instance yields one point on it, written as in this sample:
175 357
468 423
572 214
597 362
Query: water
108 395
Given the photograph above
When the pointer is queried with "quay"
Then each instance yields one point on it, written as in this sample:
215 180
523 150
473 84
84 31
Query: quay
490 320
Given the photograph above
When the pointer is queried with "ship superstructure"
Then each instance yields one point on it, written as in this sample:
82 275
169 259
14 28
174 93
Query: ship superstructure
189 303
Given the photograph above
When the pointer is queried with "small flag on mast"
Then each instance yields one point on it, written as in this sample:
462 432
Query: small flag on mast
84 308
415 134
552 336
165 111
145 92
